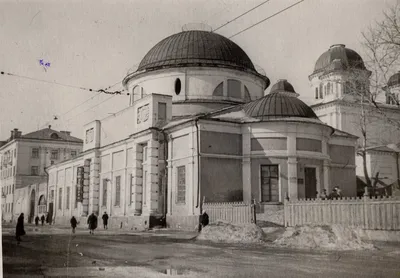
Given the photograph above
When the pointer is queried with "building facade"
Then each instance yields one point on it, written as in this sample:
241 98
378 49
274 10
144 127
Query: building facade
200 128
23 177
341 88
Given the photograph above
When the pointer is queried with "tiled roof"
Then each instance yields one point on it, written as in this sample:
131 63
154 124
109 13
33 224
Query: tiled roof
51 134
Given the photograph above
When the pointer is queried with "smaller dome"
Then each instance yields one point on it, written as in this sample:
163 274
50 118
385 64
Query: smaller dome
282 86
394 79
339 57
281 102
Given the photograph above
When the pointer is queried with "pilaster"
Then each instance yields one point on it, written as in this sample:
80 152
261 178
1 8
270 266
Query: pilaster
246 164
137 179
94 184
292 178
152 180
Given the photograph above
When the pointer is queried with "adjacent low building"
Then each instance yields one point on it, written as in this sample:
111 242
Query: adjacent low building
23 176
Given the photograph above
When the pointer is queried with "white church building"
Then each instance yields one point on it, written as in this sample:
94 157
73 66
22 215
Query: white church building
200 127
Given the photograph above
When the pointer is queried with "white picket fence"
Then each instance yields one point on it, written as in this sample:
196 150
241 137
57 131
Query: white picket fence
382 213
234 212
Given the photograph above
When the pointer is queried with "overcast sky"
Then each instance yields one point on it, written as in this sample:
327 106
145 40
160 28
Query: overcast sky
94 43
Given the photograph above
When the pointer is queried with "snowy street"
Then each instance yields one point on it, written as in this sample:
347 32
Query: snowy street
167 253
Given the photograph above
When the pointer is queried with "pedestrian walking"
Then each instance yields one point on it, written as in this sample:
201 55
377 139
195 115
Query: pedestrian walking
338 192
42 219
92 222
20 231
204 220
105 220
37 220
73 224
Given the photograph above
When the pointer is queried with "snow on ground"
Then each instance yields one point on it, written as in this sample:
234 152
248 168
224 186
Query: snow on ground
221 231
333 237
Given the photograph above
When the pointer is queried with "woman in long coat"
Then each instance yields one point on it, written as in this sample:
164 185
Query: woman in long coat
92 222
20 231
73 223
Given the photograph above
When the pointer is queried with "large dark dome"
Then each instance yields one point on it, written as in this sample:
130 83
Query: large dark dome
339 56
193 48
282 102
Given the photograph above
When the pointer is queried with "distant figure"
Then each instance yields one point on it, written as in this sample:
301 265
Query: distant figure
42 219
73 224
92 222
334 194
324 196
20 231
338 192
37 220
204 220
105 220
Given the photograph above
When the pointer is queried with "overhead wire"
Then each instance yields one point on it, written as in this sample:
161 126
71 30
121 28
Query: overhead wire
265 19
239 16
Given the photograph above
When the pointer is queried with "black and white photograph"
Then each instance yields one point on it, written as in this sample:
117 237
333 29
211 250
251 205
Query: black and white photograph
200 138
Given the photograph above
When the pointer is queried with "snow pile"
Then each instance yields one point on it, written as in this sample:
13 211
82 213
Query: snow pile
271 218
221 231
333 237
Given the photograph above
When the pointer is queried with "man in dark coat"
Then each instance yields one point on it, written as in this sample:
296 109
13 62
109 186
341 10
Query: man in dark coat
105 220
204 220
42 219
92 222
37 220
20 231
73 223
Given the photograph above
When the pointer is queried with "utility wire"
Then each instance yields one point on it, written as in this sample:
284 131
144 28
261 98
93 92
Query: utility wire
265 19
60 84
239 16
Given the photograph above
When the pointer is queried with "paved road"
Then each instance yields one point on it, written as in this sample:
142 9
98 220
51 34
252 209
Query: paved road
146 255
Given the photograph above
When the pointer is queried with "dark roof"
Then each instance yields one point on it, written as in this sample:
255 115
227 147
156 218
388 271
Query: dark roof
277 105
196 47
394 79
339 57
282 102
282 86
51 134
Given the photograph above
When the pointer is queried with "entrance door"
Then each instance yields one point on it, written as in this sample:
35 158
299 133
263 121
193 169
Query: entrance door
310 182
32 207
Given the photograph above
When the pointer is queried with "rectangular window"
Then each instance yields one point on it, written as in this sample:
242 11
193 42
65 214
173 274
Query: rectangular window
144 187
181 190
269 183
35 153
60 199
15 153
15 173
12 205
34 170
104 192
73 153
51 195
117 190
130 188
67 198
54 154
162 111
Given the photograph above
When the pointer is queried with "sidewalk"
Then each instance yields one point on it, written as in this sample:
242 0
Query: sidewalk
30 229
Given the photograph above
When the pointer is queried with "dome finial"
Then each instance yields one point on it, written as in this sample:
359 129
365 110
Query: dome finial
337 45
196 27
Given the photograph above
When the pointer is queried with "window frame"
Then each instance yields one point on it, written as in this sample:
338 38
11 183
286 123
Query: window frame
33 172
181 188
270 196
34 151
54 154
117 199
104 193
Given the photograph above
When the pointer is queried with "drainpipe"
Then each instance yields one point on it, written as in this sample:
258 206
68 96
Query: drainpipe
198 162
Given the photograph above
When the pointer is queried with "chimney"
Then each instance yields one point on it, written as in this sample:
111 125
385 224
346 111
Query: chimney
66 132
15 133
49 126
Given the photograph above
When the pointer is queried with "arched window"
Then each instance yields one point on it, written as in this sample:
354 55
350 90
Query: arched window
316 93
219 90
234 88
328 88
42 200
247 96
54 136
321 95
